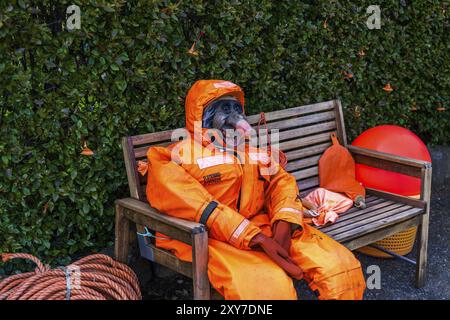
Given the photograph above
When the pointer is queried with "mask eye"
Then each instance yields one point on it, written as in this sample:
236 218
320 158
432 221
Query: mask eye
226 108
237 107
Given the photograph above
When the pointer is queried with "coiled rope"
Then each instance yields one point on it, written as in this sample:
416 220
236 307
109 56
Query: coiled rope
95 277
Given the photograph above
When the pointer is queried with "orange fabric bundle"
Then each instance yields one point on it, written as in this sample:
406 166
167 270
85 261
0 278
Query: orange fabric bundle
142 167
337 172
327 204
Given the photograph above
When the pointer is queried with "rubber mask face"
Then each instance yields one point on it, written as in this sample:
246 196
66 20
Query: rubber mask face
225 114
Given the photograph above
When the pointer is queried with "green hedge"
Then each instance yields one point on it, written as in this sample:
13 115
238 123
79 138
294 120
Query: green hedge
127 71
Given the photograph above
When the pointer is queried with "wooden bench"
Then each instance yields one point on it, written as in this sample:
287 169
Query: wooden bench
304 134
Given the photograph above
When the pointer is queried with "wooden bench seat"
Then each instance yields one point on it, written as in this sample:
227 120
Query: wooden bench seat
304 134
379 214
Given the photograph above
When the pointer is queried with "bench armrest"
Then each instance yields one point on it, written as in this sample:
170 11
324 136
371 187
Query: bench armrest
387 161
390 162
131 210
142 213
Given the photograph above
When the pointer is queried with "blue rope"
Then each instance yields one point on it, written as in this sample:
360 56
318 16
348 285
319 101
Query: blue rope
149 234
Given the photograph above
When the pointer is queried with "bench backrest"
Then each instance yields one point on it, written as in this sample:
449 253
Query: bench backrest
304 134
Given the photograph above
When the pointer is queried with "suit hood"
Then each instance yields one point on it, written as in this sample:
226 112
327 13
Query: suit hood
202 93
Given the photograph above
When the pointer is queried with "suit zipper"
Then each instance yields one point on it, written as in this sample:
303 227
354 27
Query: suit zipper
238 157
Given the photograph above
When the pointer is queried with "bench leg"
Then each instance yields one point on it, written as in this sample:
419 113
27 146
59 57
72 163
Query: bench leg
421 263
200 278
425 194
122 236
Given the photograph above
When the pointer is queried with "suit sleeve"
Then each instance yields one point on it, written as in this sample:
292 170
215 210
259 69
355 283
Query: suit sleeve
172 190
281 200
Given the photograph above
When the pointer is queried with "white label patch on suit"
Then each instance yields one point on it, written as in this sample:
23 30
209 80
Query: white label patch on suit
211 161
263 157
239 230
224 84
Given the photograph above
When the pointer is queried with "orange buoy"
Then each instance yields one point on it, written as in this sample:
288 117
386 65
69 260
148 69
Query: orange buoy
388 87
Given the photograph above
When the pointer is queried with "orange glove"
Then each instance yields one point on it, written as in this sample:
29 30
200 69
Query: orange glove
281 233
278 255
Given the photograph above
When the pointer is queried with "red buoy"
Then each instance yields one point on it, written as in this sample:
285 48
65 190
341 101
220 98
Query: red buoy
395 140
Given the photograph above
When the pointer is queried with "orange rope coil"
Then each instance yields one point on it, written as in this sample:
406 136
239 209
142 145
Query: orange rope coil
95 277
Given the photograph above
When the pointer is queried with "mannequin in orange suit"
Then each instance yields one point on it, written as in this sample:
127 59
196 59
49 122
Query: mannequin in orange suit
258 240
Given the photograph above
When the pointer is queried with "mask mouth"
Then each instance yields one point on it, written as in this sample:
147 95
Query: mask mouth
238 126
245 127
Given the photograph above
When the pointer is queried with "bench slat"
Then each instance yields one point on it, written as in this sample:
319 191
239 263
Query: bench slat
305 141
372 217
308 183
305 173
302 121
367 238
356 212
153 137
364 218
141 152
377 225
306 152
293 112
301 132
303 163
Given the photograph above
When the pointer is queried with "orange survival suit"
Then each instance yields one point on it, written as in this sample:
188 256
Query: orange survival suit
185 178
